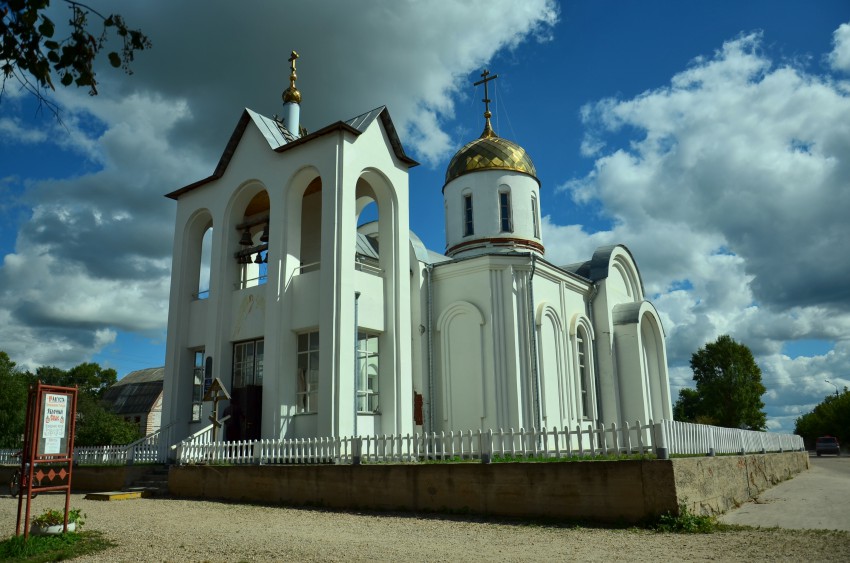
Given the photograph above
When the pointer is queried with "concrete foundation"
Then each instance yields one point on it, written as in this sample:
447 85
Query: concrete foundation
611 492
713 485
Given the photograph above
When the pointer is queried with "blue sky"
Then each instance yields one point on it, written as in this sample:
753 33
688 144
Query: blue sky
709 137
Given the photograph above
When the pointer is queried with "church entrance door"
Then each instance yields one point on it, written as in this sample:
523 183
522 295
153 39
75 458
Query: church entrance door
246 402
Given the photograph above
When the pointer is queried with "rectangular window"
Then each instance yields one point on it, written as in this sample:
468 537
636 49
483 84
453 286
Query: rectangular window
197 385
536 222
367 372
505 212
247 363
307 391
468 227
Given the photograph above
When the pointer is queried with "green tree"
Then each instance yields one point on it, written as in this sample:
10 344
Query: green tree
687 405
89 377
13 402
728 387
831 417
96 426
99 427
31 54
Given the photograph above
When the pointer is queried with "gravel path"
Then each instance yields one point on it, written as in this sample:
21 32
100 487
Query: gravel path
186 530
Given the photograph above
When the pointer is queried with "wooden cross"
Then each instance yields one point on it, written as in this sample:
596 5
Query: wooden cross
485 78
216 393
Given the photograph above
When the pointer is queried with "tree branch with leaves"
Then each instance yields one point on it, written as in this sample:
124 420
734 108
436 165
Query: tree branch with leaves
30 54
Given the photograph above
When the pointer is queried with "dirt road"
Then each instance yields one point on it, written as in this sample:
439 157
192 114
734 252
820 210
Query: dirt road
183 530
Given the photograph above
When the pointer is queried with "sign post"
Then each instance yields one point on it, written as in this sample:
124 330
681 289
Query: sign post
48 453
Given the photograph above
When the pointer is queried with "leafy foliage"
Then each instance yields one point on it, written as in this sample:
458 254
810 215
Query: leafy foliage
53 517
30 53
99 427
13 402
89 377
831 417
728 388
95 426
686 522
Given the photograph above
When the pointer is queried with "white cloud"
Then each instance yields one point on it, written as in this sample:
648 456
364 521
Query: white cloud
732 196
409 56
11 131
93 258
839 58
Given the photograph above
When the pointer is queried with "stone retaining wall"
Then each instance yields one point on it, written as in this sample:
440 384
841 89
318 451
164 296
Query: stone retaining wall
713 485
87 479
616 491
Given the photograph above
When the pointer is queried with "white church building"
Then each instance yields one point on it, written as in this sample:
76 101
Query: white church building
321 324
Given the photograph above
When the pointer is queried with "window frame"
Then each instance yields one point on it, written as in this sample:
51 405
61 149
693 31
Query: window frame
468 216
535 216
198 372
582 358
506 222
368 395
256 358
307 378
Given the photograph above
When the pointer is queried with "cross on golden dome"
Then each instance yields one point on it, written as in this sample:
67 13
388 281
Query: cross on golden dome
291 94
485 78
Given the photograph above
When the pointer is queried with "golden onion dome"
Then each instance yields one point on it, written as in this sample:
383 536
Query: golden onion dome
490 152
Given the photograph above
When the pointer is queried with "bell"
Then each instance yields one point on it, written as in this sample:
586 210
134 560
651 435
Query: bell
259 258
246 238
265 236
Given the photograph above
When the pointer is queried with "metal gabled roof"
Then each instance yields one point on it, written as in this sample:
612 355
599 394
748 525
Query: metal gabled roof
136 392
367 246
274 131
280 139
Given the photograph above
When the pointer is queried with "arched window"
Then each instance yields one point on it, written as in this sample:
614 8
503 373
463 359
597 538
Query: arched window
366 256
534 216
505 220
583 371
253 232
311 227
468 226
206 257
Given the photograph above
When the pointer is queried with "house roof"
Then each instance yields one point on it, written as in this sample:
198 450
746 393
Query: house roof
136 392
281 139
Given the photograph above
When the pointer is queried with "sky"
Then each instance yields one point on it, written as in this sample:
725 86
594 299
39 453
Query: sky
710 137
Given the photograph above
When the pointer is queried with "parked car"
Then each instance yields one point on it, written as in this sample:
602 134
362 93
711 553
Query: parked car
827 445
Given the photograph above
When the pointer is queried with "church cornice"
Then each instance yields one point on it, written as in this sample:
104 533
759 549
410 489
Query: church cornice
497 242
518 261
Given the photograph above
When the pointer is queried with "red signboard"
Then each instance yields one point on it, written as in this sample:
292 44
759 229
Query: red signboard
48 453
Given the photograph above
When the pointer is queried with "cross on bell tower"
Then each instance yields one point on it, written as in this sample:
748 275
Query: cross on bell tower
485 78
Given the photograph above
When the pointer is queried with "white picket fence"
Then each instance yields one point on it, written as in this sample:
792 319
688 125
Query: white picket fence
662 439
153 448
695 439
